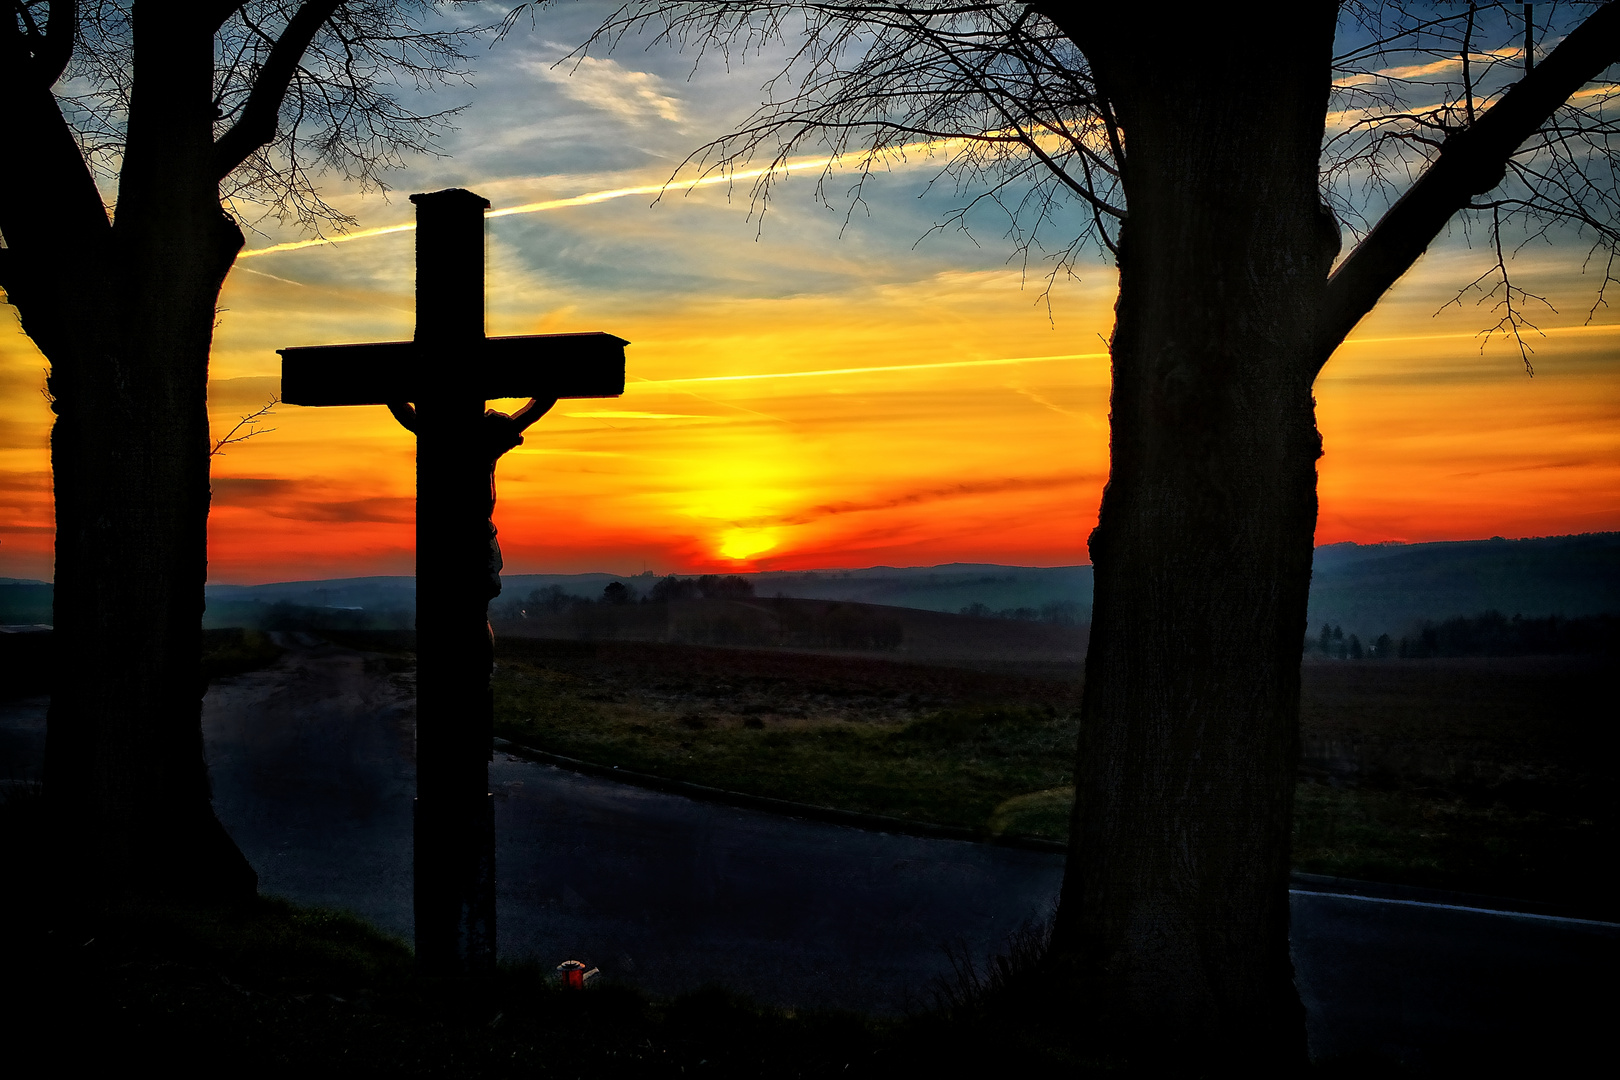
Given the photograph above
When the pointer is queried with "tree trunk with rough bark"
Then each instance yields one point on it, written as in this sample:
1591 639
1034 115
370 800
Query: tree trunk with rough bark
1172 928
129 342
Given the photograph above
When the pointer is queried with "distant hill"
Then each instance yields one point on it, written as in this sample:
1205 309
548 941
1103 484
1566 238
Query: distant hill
951 588
1367 589
24 601
1372 589
348 603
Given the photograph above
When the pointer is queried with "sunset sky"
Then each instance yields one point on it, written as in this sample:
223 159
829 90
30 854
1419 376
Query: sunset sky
805 392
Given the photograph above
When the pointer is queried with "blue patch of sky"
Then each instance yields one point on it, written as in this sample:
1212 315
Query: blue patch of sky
630 116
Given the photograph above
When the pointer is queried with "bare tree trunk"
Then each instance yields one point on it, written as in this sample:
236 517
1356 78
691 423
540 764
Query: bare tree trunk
126 779
1173 924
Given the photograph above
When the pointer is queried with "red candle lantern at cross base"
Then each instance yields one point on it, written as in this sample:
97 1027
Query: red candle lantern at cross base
573 975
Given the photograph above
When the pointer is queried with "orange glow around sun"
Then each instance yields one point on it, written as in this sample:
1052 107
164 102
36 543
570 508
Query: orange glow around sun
915 422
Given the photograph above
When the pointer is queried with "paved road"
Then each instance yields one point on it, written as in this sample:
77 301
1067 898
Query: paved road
313 774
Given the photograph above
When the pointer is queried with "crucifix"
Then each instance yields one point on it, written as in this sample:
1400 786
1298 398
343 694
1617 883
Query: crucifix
436 386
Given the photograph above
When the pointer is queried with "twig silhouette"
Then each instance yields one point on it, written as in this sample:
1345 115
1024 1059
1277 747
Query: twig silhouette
251 423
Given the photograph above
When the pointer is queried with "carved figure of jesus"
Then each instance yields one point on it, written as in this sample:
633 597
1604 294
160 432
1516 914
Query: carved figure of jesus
498 433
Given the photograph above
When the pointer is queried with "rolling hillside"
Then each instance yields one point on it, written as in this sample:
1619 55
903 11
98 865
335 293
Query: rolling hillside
1367 589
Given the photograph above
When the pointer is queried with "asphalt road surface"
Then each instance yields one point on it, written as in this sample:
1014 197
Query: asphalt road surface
313 773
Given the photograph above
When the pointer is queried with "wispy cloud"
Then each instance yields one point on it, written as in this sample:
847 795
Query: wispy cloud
637 97
1445 65
1535 466
1589 328
625 414
1045 403
302 500
399 510
919 497
25 481
246 490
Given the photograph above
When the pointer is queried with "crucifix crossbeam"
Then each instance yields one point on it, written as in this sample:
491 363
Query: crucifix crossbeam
437 386
538 366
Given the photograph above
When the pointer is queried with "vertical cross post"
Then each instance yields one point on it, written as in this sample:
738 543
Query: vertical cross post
455 825
447 373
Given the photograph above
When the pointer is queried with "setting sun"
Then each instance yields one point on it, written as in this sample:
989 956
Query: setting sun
742 544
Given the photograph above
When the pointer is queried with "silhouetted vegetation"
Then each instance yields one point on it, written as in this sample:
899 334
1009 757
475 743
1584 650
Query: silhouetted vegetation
709 610
1493 634
1488 634
803 624
1332 643
706 587
553 599
1058 613
838 626
544 601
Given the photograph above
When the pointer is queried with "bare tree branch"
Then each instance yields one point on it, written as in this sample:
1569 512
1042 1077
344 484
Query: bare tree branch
1471 162
47 48
222 11
1512 321
47 253
285 117
256 124
247 427
998 91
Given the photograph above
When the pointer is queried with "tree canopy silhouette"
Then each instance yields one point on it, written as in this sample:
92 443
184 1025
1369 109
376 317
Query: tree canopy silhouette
190 117
1219 155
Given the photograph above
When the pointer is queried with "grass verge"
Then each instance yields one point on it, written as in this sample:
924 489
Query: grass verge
930 744
1464 776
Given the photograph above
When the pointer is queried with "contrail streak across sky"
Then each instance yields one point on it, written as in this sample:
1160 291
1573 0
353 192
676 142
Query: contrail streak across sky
604 196
870 370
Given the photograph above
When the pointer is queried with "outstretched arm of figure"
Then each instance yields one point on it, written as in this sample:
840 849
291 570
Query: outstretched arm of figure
502 432
534 410
404 413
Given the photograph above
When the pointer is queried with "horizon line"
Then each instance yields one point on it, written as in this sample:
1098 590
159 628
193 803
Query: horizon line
879 566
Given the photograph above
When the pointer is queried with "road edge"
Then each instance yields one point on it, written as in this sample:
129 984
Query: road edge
785 807
1298 882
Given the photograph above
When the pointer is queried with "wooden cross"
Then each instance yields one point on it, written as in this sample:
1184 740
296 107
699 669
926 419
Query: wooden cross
437 386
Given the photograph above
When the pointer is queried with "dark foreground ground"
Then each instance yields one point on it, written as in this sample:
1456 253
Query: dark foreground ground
311 762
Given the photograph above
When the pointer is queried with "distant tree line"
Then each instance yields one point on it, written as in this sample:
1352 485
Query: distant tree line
1493 634
554 599
1058 613
1488 634
1334 644
707 587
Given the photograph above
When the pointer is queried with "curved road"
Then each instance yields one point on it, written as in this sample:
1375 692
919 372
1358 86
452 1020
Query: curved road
313 772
